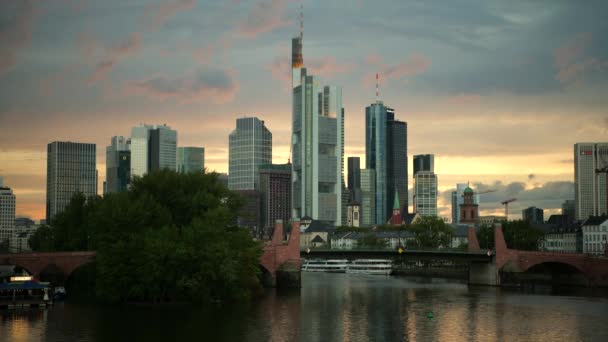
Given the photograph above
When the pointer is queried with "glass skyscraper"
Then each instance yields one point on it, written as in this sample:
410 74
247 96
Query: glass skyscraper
71 168
250 145
153 147
386 153
590 193
118 165
190 159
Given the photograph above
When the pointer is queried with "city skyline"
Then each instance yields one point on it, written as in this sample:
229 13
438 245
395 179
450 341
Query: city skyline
516 79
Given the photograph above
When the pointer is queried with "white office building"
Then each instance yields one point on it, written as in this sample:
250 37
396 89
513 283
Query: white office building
425 193
590 186
368 197
595 235
7 214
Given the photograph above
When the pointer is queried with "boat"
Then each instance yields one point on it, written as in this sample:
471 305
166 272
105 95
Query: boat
320 265
370 266
22 292
59 293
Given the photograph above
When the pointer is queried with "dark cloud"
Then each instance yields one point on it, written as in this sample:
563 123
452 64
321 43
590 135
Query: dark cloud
215 85
114 54
158 14
264 16
15 30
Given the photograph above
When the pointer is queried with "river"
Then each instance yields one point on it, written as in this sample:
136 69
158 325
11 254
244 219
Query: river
333 307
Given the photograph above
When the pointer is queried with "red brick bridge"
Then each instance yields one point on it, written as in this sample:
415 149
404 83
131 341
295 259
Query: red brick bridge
277 254
512 261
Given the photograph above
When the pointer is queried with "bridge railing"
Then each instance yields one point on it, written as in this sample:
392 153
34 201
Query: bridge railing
386 249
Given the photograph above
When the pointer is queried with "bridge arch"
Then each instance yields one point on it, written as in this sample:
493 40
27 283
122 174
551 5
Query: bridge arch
53 274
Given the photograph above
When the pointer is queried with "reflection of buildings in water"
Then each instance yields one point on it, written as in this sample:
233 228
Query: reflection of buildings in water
283 317
411 318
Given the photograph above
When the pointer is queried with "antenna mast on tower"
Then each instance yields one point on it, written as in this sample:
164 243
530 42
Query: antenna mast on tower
301 21
377 87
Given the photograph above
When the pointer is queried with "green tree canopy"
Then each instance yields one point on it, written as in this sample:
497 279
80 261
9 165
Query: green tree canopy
169 237
431 232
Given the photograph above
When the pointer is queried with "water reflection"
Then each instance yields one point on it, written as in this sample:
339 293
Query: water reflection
332 307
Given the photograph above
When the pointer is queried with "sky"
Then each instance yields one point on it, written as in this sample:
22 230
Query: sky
498 90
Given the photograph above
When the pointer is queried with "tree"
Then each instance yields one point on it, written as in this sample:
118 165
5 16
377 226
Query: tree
522 235
372 240
43 240
431 232
485 237
170 237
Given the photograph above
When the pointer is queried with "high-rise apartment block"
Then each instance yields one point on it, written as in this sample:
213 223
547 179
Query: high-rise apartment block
533 215
425 185
118 165
354 173
386 153
7 208
317 139
71 169
153 147
589 185
190 159
368 197
250 145
275 189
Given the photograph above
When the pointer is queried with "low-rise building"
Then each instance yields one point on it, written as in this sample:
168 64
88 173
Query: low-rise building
389 240
460 236
595 235
316 235
562 238
490 219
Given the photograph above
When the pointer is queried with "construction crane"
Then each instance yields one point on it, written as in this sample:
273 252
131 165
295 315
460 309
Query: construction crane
506 204
482 192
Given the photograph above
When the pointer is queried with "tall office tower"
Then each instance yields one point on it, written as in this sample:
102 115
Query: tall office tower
424 162
317 151
458 200
368 197
275 189
533 215
425 190
354 173
7 214
386 152
568 210
153 147
70 169
190 159
250 145
118 165
590 186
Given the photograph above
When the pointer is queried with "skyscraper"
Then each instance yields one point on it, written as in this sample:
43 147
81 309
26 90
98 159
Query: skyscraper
386 153
118 165
250 145
190 159
153 147
425 185
7 214
424 162
317 151
354 173
589 186
568 210
533 215
71 168
275 188
368 197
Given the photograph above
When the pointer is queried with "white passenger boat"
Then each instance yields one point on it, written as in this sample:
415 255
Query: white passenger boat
370 266
320 265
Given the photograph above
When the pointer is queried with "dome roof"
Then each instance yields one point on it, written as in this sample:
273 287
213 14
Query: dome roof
468 190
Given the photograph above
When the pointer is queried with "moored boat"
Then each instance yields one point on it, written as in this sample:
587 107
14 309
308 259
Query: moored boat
320 265
370 266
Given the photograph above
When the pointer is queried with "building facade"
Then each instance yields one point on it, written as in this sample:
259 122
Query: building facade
469 210
533 215
590 186
425 185
250 145
153 147
118 165
317 151
368 197
7 215
190 159
354 173
249 215
595 235
458 199
275 190
71 169
386 153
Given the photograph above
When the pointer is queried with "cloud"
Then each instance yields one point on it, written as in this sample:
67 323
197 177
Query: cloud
264 17
463 99
414 64
17 33
219 86
113 56
572 63
326 67
158 15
